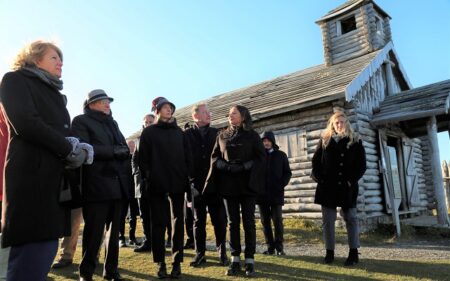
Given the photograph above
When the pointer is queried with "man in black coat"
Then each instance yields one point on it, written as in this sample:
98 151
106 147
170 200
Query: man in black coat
278 174
164 166
105 183
201 138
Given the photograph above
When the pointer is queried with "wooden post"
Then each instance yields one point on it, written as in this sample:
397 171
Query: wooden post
445 175
438 181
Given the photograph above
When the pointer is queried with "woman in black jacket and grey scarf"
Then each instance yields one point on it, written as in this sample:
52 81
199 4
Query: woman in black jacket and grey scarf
237 172
338 163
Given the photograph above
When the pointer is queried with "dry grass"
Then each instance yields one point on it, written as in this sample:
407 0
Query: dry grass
140 266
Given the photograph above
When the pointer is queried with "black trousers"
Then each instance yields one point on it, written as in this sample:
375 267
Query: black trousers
269 214
160 217
99 216
134 212
144 207
189 223
216 211
233 207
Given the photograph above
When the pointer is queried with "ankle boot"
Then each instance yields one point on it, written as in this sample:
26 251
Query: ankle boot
352 257
162 271
329 258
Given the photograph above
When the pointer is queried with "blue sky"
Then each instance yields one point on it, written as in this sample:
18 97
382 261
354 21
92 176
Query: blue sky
191 50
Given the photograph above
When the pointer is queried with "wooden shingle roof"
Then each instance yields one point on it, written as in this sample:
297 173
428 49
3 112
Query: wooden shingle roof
433 99
412 108
286 93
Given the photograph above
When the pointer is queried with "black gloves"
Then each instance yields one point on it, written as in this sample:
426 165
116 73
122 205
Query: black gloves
121 152
236 168
221 165
75 159
248 165
233 167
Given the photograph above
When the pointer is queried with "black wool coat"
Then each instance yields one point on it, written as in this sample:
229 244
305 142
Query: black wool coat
163 158
200 150
278 174
243 146
337 170
39 122
108 178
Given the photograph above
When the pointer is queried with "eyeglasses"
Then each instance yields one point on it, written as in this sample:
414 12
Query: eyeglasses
104 101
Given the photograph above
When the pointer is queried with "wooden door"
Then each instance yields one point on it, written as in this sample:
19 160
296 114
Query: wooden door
411 178
392 203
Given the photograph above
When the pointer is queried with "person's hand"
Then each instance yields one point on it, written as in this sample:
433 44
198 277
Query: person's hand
236 168
194 191
222 165
121 152
75 159
248 165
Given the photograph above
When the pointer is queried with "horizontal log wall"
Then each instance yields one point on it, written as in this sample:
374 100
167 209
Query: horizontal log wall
299 193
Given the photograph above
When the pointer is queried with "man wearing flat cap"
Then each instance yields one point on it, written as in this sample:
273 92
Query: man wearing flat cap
164 165
104 184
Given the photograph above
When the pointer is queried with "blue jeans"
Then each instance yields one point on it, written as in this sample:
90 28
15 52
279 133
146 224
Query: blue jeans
351 223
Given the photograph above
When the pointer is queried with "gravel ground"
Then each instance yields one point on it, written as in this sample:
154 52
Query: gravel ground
417 250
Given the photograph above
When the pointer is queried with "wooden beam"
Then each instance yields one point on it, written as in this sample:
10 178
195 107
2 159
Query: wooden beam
441 206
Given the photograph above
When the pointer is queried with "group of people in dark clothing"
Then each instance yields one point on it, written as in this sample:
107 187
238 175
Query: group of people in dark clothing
225 173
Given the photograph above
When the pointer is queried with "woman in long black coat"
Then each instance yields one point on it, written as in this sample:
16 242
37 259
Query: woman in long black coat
237 173
338 163
33 218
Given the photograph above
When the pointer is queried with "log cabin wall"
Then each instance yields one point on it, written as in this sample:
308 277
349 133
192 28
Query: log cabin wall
346 46
297 134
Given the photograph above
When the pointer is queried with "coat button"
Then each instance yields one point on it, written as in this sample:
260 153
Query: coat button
66 126
339 182
341 164
342 154
340 174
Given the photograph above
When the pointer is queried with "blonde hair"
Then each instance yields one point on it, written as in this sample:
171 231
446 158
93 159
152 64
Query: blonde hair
329 131
32 53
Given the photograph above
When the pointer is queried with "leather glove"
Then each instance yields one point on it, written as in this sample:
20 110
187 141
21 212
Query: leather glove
121 152
222 165
75 159
248 165
236 168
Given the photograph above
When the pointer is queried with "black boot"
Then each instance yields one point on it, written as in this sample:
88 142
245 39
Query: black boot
198 260
176 270
145 247
329 258
223 260
352 257
162 270
234 269
249 269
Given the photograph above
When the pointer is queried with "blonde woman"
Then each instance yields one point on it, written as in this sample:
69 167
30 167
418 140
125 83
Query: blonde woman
38 151
338 163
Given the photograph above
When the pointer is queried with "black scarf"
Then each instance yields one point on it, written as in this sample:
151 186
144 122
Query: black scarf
46 77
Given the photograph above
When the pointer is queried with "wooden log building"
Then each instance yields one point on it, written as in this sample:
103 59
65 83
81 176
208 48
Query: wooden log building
363 76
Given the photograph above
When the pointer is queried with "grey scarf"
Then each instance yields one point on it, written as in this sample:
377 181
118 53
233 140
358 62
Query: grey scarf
46 77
